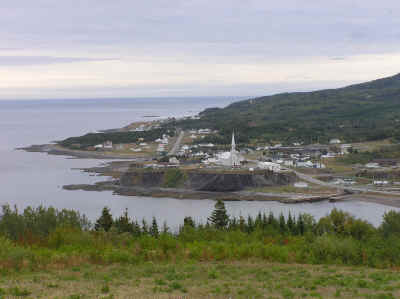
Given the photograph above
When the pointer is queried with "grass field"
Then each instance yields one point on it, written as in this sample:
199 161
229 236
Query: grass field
251 279
337 167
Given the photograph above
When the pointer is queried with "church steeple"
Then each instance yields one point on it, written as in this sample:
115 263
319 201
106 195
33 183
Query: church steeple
233 148
234 157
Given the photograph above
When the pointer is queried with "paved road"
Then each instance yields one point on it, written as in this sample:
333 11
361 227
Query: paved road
312 180
177 144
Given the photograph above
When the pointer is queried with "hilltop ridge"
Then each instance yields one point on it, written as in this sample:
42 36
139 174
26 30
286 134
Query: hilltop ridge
359 112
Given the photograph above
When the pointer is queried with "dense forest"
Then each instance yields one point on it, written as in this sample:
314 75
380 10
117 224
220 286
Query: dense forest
368 111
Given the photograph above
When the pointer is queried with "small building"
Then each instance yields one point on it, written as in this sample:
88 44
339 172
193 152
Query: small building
108 145
380 183
385 162
269 166
372 165
345 148
300 185
119 146
335 141
173 161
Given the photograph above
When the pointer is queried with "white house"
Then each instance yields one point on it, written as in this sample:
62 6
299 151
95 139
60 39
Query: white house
300 185
108 145
344 148
380 182
270 166
372 165
335 141
173 161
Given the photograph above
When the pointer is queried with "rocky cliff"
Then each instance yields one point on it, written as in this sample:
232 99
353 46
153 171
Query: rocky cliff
218 181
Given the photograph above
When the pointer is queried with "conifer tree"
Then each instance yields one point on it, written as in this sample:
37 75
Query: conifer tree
290 223
250 224
258 221
233 224
136 229
188 221
105 221
219 218
242 224
272 221
282 223
123 223
154 228
264 221
165 228
300 225
145 227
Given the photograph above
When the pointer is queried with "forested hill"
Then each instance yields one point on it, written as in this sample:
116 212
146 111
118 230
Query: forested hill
367 111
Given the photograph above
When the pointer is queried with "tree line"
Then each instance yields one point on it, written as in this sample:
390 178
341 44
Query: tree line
39 236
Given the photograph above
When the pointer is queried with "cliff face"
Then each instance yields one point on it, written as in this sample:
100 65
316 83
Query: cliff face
207 181
143 179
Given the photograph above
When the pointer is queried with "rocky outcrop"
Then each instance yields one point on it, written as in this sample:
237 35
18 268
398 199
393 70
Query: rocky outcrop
218 181
142 178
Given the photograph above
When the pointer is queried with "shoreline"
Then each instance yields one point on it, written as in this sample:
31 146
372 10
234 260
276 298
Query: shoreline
55 149
179 193
114 169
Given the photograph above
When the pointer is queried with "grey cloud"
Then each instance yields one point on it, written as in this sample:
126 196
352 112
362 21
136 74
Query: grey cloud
220 31
311 24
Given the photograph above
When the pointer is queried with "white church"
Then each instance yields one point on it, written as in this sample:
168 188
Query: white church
229 159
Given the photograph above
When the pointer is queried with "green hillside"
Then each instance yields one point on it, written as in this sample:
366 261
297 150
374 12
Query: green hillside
367 111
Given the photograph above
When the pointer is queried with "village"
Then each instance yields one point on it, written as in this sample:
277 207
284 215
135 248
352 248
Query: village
316 163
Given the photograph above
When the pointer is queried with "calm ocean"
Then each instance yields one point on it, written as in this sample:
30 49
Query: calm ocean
37 179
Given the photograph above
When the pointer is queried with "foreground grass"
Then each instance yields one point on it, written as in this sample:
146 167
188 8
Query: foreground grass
246 279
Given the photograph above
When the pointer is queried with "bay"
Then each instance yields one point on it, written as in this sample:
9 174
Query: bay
37 178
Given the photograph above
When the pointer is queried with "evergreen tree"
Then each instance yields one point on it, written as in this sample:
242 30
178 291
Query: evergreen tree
165 228
188 221
136 229
264 221
300 225
105 221
258 221
219 218
233 224
154 228
145 227
272 221
290 223
242 224
250 224
282 223
123 223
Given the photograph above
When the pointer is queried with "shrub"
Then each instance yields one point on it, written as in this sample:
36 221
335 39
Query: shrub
173 177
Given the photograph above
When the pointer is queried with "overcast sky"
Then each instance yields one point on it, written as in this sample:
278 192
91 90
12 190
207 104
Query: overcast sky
136 48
